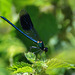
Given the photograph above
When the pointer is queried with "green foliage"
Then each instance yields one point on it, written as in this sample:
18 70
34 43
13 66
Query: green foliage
5 5
30 56
72 4
23 70
54 22
55 63
3 70
50 67
67 55
21 67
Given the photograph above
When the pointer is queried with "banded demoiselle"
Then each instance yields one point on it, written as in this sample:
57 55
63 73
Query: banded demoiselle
29 30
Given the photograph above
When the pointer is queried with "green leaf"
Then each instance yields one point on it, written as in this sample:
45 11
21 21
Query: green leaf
67 55
56 63
23 70
30 56
18 65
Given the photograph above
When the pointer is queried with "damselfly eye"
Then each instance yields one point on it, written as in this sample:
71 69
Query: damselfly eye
45 49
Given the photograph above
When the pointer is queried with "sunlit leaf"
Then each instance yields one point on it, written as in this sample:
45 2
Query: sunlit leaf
67 55
30 56
56 64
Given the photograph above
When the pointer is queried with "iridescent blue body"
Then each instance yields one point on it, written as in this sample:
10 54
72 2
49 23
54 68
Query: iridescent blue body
27 26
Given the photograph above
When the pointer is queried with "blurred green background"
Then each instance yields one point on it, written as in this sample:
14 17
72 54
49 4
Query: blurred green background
54 20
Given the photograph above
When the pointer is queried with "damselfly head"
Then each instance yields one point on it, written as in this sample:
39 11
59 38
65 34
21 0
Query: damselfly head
45 49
